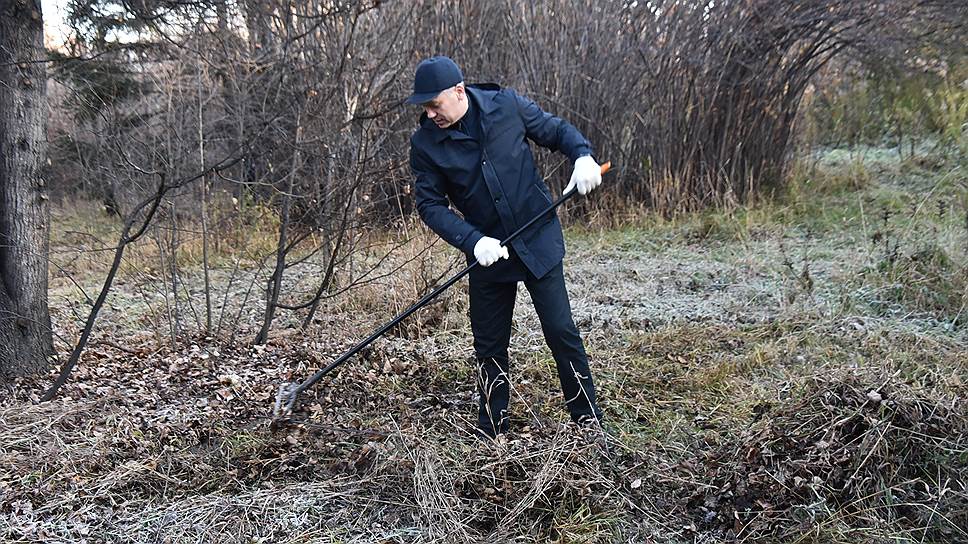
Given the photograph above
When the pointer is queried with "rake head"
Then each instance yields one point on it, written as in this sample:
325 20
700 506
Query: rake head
285 401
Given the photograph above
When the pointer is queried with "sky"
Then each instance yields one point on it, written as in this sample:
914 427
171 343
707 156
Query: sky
54 28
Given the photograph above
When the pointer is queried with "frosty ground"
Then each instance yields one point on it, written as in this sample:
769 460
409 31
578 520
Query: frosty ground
791 370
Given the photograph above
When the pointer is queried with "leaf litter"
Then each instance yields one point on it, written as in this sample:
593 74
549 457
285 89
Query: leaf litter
173 445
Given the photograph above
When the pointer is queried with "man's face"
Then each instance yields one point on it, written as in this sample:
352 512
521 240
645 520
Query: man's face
449 106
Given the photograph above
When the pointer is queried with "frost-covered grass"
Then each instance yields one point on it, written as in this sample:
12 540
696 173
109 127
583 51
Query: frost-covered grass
790 370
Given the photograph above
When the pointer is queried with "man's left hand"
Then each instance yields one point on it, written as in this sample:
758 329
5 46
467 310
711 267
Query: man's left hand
586 176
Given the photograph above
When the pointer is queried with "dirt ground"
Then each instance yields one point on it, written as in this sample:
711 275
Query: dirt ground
777 372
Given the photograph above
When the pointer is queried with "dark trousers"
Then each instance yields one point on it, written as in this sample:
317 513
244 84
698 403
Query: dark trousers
492 306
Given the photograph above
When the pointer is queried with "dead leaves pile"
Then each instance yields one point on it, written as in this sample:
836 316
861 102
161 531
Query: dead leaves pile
849 450
141 435
138 428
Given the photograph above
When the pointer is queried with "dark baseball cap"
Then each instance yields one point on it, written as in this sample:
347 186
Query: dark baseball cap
434 75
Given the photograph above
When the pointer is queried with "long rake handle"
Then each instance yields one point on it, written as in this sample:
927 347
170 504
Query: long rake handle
293 393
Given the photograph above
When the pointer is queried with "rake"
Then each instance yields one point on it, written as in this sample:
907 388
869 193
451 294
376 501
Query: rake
289 392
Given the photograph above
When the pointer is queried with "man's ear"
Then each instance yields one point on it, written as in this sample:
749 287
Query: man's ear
460 90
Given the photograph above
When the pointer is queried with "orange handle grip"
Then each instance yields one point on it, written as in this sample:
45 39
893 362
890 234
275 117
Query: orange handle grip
606 167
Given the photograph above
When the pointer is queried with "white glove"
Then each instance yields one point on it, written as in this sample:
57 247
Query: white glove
586 176
488 250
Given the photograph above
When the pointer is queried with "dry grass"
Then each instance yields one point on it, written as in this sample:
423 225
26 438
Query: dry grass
697 449
84 235
847 450
735 412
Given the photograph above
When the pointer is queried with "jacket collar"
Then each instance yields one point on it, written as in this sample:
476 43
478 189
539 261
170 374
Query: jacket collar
484 93
483 96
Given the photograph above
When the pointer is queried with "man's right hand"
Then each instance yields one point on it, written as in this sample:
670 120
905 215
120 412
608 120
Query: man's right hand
488 250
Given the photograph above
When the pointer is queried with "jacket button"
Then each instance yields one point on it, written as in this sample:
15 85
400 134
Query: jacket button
498 199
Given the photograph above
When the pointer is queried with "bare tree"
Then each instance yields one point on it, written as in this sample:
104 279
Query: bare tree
697 100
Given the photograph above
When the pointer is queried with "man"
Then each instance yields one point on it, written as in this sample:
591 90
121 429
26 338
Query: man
471 149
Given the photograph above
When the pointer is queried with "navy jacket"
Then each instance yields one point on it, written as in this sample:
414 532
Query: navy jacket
494 184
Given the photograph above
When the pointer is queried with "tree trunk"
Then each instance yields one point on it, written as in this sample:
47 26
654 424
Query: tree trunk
25 335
